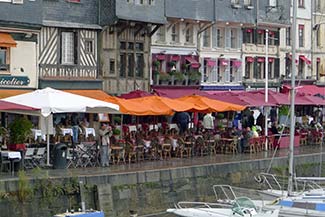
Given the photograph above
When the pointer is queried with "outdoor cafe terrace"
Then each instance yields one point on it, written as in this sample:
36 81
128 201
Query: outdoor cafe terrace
153 136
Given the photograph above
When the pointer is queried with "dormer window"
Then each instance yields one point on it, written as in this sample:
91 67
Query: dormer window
235 3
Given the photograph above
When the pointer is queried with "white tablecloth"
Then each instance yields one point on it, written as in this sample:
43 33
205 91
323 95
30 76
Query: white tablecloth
37 133
153 127
132 128
65 131
89 131
173 126
11 154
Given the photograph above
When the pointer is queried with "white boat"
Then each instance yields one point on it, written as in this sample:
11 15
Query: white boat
241 207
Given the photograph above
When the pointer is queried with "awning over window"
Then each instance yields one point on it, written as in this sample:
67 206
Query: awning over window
211 63
193 62
249 30
303 58
175 58
271 59
236 63
318 59
224 62
249 59
261 59
260 31
6 40
160 56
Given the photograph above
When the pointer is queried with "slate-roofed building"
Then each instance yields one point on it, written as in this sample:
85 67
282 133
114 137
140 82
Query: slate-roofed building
125 42
20 24
68 57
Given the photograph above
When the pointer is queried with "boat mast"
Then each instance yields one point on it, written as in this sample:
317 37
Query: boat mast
292 96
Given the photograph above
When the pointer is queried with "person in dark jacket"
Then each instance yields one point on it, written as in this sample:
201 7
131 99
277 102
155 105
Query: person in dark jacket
183 119
251 120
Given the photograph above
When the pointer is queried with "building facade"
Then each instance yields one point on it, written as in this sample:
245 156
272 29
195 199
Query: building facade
175 46
20 25
125 42
271 18
318 39
68 57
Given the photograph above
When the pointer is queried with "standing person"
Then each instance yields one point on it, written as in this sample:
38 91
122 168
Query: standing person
183 120
251 120
105 149
208 122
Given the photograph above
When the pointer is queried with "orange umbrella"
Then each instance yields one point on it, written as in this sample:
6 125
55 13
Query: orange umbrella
173 105
126 106
212 105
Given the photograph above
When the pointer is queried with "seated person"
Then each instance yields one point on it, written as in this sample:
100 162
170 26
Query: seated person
254 132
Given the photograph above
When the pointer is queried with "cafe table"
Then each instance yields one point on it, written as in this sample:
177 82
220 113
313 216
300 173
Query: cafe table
13 156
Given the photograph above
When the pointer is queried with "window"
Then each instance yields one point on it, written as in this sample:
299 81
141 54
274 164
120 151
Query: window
301 3
151 2
301 69
260 74
67 48
273 3
206 38
111 66
161 34
4 59
89 46
301 35
122 45
288 67
139 65
233 38
317 66
139 46
130 65
175 33
235 2
248 36
248 3
139 2
189 33
220 38
248 69
318 6
260 36
318 37
122 65
288 36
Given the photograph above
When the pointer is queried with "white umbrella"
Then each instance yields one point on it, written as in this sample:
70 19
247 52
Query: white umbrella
50 101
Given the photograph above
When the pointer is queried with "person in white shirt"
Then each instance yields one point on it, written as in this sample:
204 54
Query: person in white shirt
105 148
208 122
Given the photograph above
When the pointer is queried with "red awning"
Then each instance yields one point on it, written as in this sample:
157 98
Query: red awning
305 89
303 58
249 59
318 59
249 30
193 62
135 94
175 58
224 62
211 63
236 63
13 106
260 31
271 59
271 33
160 56
178 92
261 59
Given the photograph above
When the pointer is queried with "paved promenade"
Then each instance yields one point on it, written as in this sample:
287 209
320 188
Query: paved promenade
170 163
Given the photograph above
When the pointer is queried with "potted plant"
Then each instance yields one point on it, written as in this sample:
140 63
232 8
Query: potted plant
194 76
19 131
117 133
156 64
179 77
164 78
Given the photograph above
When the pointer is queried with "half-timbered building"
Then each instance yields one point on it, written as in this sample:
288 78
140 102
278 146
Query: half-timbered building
125 42
68 45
